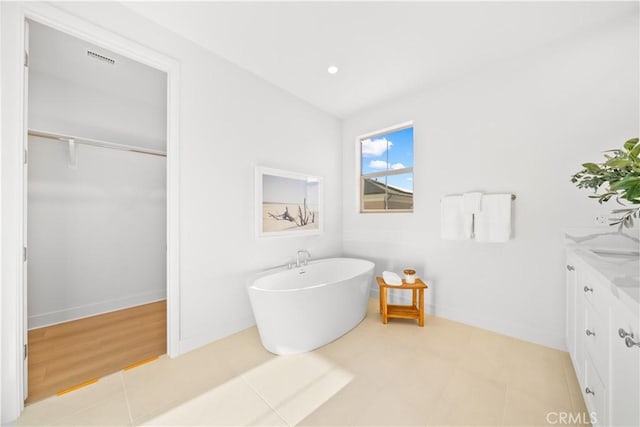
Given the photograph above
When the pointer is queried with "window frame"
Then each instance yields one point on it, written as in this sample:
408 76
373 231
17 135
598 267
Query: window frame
360 177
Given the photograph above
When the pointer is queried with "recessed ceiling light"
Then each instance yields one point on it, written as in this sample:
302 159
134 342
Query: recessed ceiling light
332 69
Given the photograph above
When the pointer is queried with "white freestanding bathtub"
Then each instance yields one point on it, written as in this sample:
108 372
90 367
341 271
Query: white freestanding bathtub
304 308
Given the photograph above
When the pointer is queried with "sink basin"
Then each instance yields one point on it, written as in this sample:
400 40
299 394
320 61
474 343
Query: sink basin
617 254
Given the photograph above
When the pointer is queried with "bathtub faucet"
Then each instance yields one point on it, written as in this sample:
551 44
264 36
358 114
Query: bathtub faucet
306 259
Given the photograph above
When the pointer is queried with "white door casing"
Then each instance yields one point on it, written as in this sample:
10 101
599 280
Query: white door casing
25 192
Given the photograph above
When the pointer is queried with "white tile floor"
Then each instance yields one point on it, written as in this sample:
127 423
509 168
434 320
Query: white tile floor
397 374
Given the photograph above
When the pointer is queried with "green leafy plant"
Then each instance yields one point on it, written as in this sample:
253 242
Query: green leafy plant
619 178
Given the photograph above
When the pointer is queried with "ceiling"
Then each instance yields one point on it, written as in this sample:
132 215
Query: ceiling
383 49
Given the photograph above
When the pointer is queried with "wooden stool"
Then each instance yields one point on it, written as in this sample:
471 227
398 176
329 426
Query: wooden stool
413 311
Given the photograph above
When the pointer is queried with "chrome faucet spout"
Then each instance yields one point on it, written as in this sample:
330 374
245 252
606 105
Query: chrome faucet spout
306 259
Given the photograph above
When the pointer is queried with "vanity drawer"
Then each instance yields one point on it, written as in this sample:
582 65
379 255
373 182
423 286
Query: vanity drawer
595 395
594 293
596 340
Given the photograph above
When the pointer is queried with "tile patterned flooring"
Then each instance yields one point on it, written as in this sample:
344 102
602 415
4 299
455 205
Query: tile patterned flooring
397 374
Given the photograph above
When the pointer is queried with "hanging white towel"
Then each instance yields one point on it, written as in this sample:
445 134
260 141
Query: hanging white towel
493 223
453 225
472 203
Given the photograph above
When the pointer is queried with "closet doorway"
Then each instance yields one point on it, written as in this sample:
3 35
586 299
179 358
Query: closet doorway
96 212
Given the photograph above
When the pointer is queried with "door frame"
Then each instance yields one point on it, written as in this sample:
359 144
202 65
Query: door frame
14 213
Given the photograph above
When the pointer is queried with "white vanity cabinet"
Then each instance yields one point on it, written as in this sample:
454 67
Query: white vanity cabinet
625 367
601 331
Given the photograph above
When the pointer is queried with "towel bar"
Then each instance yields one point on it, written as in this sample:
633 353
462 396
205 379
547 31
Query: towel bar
513 197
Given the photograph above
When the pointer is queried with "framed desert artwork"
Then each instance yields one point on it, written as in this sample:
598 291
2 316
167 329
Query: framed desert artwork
287 203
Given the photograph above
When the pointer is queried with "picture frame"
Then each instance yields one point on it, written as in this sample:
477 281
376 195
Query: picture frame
287 203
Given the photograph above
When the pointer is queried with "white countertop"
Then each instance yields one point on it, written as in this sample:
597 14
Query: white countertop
622 273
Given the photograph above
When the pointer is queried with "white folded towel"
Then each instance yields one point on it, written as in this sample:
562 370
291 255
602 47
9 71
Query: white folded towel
391 278
493 223
472 203
454 224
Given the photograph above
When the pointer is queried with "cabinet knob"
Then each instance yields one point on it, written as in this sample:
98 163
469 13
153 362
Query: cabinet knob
587 289
589 391
570 267
624 334
631 343
590 333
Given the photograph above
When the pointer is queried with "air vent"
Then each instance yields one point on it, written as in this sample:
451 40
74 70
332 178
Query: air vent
100 57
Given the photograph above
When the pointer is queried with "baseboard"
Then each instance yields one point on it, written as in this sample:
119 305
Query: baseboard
80 312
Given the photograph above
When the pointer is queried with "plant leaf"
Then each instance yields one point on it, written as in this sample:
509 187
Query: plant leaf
591 167
632 193
618 163
630 144
626 182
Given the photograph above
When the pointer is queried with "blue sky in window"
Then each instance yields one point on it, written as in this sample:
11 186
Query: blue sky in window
390 151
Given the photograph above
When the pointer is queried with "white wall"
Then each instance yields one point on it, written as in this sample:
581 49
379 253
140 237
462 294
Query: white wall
522 126
74 94
96 231
86 111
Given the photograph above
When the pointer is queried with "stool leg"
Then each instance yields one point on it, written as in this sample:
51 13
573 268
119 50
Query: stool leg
383 301
421 308
413 297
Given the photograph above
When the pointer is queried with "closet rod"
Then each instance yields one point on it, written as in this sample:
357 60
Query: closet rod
96 143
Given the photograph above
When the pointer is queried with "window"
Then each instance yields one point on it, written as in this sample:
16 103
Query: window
386 170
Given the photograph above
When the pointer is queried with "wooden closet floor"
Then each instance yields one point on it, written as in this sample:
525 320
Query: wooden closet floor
70 353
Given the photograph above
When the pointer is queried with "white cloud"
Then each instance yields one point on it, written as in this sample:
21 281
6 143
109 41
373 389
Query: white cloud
378 164
375 147
409 178
382 165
